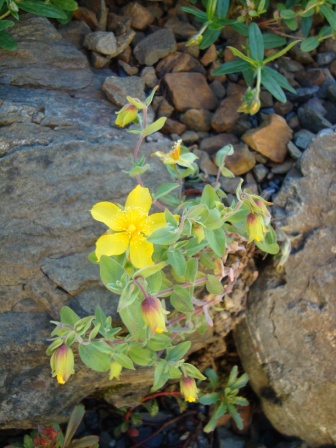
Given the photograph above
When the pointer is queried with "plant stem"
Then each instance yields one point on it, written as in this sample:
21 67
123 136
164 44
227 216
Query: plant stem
5 14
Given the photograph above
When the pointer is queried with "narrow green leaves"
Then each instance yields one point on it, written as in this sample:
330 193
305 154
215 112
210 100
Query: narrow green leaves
43 9
232 67
309 44
153 127
256 42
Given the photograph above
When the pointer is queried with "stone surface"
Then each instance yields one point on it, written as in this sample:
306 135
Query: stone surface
226 115
197 119
287 340
241 161
271 138
182 88
155 47
312 119
103 42
213 144
53 64
179 62
116 89
141 17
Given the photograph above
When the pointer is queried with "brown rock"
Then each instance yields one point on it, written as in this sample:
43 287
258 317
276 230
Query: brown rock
182 30
332 68
87 16
213 66
218 89
241 161
165 109
100 10
213 144
173 127
226 115
99 60
118 24
307 78
190 91
205 163
155 47
149 77
141 17
283 108
131 71
197 119
271 138
193 50
179 62
116 89
209 56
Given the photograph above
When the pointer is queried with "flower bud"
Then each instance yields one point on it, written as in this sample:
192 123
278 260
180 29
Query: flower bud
115 370
154 315
62 363
255 227
189 389
126 115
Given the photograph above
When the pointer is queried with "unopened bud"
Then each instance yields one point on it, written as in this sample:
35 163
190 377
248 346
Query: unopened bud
126 115
189 389
153 314
62 363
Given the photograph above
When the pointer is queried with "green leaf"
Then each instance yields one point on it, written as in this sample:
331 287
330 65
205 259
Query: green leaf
306 24
211 8
129 294
281 52
195 12
217 240
68 316
174 373
217 413
191 271
132 318
110 270
273 40
164 189
243 57
329 14
161 375
231 67
66 5
256 42
153 127
292 24
268 248
4 24
208 399
236 417
171 220
138 170
309 44
123 360
94 358
227 173
163 237
280 79
149 270
177 261
193 371
176 353
7 42
73 424
181 299
212 376
42 9
213 285
287 14
154 282
209 197
272 86
141 356
222 153
209 37
222 8
159 342
193 247
85 442
150 97
241 381
207 261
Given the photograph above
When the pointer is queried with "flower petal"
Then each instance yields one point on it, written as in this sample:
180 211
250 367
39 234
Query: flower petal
141 251
139 197
112 244
109 214
153 222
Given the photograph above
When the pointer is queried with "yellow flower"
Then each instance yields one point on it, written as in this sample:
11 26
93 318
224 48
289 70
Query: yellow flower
174 157
129 227
126 115
154 315
255 227
115 370
189 389
62 363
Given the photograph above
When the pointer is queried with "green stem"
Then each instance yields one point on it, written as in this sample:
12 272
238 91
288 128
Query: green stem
5 15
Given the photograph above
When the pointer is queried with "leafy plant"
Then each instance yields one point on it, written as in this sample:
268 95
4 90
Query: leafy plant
169 263
262 33
51 436
54 9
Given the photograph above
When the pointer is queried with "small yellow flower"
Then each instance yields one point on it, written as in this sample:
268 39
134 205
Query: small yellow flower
255 227
126 115
62 363
115 370
129 227
189 389
175 157
251 102
154 314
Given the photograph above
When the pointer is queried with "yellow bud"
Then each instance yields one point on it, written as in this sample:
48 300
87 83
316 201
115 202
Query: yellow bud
115 370
189 389
255 227
62 363
154 315
126 115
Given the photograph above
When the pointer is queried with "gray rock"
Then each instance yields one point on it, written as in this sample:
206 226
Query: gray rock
260 172
312 119
116 89
294 151
103 42
54 63
331 92
303 138
226 439
155 47
287 339
325 58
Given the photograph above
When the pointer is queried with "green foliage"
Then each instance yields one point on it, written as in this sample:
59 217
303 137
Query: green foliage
264 26
51 435
54 9
158 266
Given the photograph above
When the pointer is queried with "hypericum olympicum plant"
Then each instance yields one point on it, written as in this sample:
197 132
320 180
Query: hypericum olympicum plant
165 255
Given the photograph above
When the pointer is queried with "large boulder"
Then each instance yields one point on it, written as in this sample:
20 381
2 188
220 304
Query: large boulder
287 341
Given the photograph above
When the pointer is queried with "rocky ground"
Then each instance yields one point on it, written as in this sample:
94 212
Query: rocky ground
138 45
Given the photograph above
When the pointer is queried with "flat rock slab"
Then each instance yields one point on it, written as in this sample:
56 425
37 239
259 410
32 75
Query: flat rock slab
155 47
190 91
43 58
287 340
